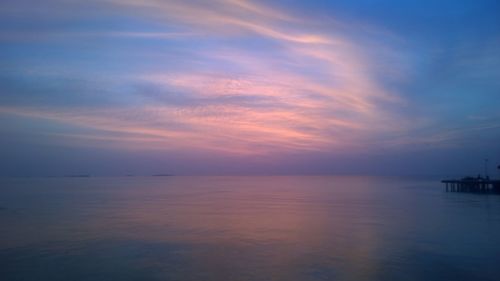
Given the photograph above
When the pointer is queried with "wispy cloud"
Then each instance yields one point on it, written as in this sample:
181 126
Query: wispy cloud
304 88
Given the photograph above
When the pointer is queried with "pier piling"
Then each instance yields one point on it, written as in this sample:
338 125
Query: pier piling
468 184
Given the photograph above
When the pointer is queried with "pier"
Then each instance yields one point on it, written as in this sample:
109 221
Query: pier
469 184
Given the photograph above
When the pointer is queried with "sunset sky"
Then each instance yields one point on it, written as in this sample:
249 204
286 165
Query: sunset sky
115 87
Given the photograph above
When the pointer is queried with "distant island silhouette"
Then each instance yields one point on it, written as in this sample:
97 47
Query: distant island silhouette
77 176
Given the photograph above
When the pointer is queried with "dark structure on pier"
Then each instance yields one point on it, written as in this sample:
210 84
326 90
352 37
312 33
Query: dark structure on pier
474 184
469 184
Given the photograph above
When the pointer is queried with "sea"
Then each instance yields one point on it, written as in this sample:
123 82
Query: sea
246 228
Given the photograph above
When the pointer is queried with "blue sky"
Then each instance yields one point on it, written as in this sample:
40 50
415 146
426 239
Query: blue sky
249 87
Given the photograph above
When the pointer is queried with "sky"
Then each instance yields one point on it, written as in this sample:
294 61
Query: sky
222 87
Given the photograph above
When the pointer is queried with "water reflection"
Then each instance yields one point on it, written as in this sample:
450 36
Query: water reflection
245 228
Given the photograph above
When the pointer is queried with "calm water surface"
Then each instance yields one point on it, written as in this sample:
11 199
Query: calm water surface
245 228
